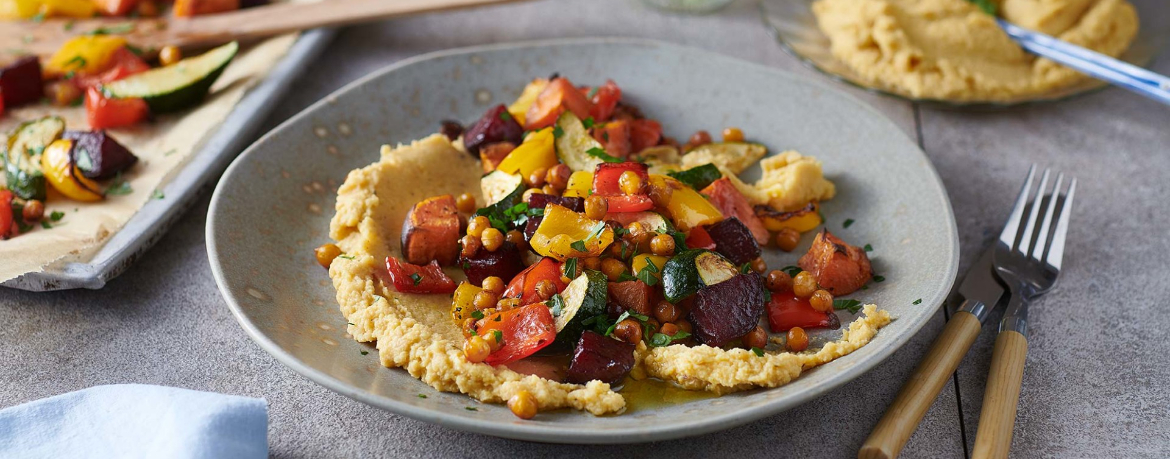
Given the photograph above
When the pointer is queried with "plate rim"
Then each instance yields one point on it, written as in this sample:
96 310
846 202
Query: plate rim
551 433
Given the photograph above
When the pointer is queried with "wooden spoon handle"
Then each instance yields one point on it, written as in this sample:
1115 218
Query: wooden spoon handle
993 439
918 394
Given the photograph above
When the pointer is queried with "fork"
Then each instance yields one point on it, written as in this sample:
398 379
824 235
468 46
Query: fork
1027 259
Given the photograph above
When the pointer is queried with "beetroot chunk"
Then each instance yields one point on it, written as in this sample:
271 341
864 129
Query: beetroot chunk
98 155
504 263
734 240
598 357
497 125
729 309
21 82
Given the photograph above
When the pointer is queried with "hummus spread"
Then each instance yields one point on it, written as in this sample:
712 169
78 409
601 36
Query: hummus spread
415 332
950 49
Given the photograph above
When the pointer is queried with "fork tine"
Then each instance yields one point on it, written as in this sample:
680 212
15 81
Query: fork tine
1012 227
1028 236
1056 249
1052 199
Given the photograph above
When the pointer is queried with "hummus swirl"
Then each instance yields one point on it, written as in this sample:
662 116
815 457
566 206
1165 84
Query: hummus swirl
416 333
949 49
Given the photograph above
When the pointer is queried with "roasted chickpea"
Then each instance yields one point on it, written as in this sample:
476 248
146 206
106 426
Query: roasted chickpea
613 268
34 211
476 349
662 245
778 281
536 178
665 312
787 239
484 300
591 263
465 203
325 254
523 405
822 301
545 289
468 326
495 340
628 330
699 138
616 249
516 237
492 239
652 326
759 265
471 245
558 176
493 284
630 182
476 226
507 304
684 325
527 196
169 55
732 134
797 340
596 207
668 329
756 338
803 285
550 190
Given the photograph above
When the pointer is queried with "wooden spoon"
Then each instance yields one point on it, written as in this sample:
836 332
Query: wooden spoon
151 34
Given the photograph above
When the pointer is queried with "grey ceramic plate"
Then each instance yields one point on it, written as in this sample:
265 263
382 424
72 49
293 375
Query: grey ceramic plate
273 206
149 224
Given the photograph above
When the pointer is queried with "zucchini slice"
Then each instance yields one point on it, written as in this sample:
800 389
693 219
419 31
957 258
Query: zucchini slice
584 298
691 270
22 156
176 86
733 156
574 142
652 221
499 184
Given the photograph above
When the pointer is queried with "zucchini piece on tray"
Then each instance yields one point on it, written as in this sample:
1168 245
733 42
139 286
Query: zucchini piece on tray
177 86
22 158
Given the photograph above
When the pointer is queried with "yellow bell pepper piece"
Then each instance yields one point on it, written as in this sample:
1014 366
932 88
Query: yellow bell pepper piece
463 302
19 9
641 261
687 207
580 184
64 176
520 107
536 152
564 234
68 8
803 221
85 54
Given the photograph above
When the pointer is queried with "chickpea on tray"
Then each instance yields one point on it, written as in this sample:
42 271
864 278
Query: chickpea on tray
597 249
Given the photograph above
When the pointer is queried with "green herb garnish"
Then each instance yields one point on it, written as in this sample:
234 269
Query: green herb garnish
505 116
570 268
987 6
416 278
662 339
477 315
558 132
792 270
879 279
850 305
647 274
471 408
848 223
602 155
624 316
698 177
56 215
114 29
758 352
422 395
365 352
579 246
587 122
918 301
158 194
592 92
868 248
557 304
120 186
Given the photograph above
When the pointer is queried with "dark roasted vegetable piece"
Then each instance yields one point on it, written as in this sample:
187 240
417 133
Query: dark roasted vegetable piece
21 82
584 299
734 240
837 266
729 309
633 296
539 200
98 155
497 125
690 270
430 231
598 357
504 263
451 129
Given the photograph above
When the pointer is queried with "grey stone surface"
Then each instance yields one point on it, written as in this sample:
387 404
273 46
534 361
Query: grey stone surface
1094 384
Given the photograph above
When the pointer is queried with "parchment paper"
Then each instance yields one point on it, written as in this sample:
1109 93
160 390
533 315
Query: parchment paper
162 146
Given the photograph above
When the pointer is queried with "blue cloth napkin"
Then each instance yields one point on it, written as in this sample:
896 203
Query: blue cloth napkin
136 421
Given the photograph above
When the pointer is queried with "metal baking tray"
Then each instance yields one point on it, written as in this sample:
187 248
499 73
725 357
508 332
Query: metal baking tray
149 224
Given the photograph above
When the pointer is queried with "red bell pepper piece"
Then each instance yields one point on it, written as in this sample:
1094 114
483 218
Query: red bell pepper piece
785 311
525 330
629 203
523 286
123 63
644 134
607 176
615 136
408 278
699 238
604 101
7 222
104 113
556 97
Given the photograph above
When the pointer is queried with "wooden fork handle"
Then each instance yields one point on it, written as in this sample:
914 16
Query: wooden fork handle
918 394
993 439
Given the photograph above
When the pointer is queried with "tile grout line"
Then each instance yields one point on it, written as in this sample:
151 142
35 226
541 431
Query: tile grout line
946 313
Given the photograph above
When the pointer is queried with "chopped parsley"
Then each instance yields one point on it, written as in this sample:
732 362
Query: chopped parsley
498 336
746 268
349 323
558 132
848 223
45 224
56 215
78 60
680 240
624 316
579 246
868 248
662 339
988 6
587 122
647 274
476 315
879 278
918 301
850 305
497 213
602 155
422 395
557 304
698 177
416 278
792 270
347 257
758 352
158 194
471 408
120 186
126 27
592 92
625 276
570 268
505 116
365 352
